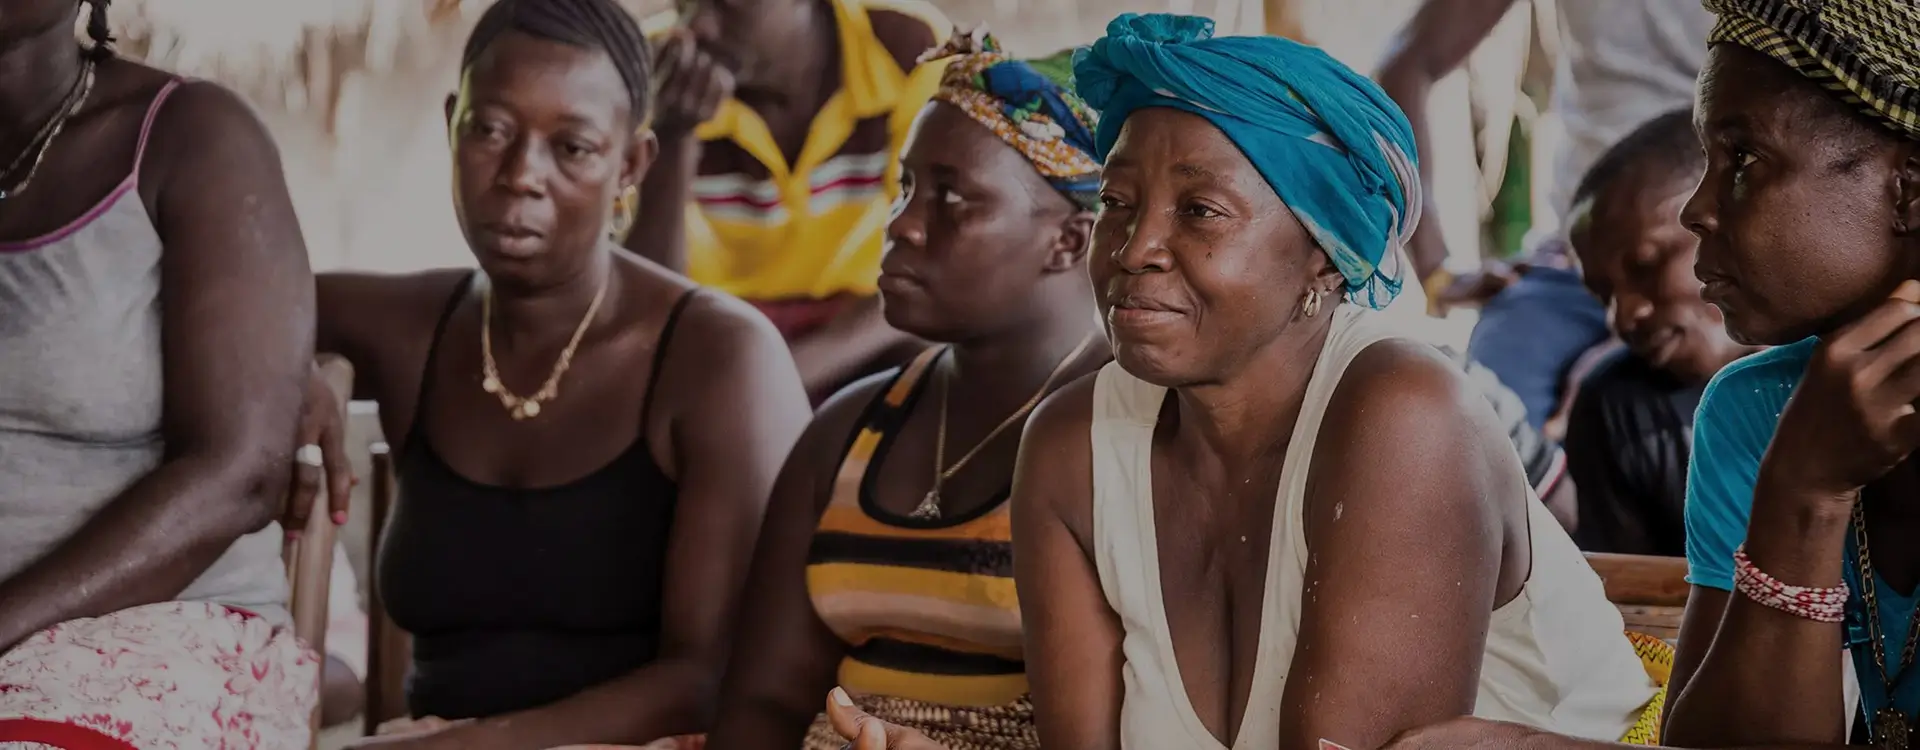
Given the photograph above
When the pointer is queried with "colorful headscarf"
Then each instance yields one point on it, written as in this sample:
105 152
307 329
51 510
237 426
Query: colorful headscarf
1867 52
1329 141
1028 105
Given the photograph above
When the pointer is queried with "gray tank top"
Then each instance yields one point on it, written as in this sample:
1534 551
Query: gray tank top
81 390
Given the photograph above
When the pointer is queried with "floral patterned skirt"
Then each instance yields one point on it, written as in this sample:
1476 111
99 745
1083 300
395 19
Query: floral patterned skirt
163 676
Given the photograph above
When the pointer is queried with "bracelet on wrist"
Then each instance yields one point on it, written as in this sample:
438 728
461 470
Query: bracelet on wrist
1821 604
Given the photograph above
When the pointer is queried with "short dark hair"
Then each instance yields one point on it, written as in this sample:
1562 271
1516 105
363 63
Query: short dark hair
593 24
1667 140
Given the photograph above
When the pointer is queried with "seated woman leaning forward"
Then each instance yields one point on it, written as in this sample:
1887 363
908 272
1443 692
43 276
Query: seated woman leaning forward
586 440
886 562
1800 518
155 331
1273 519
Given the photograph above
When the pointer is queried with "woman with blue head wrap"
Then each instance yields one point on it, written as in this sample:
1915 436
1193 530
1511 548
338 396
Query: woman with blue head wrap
1275 518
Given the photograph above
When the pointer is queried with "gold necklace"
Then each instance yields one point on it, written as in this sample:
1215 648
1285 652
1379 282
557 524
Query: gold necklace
929 507
529 407
1892 728
43 140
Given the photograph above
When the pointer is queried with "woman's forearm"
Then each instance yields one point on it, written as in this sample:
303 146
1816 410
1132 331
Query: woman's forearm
1770 676
148 544
669 697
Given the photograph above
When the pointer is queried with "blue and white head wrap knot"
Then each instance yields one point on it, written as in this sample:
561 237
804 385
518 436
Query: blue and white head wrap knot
1336 150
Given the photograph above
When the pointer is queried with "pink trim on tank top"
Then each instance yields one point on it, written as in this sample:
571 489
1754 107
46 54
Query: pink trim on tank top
119 191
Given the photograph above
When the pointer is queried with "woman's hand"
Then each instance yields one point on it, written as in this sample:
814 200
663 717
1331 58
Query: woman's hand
863 732
323 423
1852 418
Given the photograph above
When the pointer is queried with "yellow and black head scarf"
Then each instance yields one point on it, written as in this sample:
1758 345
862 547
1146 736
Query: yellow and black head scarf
1867 52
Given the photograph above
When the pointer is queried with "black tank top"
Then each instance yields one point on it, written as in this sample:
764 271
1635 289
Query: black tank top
517 598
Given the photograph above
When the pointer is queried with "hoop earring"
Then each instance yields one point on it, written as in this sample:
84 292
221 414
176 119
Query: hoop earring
625 206
1311 305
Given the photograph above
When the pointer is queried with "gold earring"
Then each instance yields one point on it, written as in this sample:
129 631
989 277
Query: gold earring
625 205
1311 305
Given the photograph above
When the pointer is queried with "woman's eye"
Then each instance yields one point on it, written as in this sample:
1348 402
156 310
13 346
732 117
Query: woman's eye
1201 210
949 198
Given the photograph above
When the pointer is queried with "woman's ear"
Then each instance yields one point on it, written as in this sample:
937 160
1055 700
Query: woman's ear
1906 192
642 150
1328 277
1070 243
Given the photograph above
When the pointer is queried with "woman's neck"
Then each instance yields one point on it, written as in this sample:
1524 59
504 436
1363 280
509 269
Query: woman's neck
998 369
1252 408
811 59
35 76
533 316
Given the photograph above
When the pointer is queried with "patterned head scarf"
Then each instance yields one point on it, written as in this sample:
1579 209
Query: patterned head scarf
1028 105
1867 52
1329 141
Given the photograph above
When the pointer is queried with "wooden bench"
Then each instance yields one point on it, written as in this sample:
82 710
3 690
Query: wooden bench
1651 592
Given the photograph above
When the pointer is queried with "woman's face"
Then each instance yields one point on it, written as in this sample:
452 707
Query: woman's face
1638 259
1196 263
975 230
542 144
1801 208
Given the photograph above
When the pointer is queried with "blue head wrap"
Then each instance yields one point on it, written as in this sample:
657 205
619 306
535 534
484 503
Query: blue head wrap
1336 150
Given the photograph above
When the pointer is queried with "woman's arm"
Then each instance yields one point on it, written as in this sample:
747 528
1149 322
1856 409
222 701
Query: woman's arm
738 408
1072 637
785 658
1402 576
1497 735
236 301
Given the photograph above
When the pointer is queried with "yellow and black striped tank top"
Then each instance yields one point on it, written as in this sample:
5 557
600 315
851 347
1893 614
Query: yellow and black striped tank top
926 606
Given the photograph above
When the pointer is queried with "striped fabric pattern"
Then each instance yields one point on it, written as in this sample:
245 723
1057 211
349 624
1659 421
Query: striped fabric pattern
928 607
1867 52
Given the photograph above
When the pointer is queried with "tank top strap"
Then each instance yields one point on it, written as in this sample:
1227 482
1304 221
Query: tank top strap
1354 329
146 124
882 416
459 293
660 354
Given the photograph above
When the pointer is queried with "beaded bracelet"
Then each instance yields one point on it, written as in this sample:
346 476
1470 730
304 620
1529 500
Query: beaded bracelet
1818 604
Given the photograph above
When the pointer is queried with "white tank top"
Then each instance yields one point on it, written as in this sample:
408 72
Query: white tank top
1556 654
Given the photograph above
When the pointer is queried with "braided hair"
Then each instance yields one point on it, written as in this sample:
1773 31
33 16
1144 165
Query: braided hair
592 24
102 48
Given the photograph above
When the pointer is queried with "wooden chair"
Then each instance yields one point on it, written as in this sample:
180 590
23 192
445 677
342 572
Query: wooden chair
1651 592
389 649
309 564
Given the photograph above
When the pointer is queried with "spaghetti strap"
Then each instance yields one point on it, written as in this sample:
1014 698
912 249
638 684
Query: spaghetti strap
146 125
433 354
660 354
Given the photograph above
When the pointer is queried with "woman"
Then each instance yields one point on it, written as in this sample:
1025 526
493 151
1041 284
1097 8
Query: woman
874 570
1807 220
586 440
155 309
1198 574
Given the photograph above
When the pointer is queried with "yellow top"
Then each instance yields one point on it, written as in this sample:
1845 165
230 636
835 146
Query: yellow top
813 229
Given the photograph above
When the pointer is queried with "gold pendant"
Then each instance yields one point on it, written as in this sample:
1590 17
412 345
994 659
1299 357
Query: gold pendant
526 410
929 507
1891 729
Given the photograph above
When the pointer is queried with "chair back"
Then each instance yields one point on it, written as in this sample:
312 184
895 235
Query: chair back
390 649
309 562
1650 591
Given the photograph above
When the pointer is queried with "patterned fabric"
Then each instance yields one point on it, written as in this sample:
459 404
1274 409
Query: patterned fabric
1329 141
1867 52
1028 106
1657 656
927 606
1006 727
175 675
